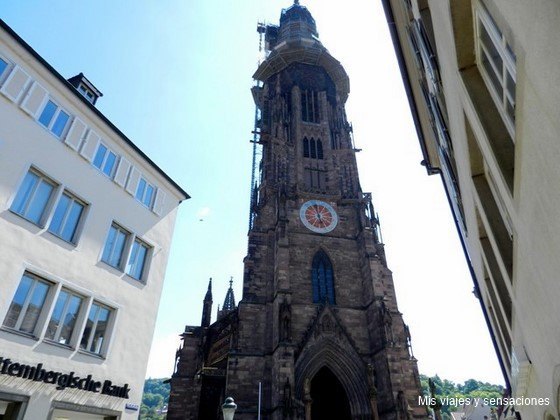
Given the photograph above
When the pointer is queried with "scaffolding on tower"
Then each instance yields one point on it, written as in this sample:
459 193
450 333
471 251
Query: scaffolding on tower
257 152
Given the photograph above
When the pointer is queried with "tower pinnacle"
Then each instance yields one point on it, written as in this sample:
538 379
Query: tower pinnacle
229 301
207 306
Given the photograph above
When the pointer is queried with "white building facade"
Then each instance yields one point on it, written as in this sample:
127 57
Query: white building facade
86 221
481 77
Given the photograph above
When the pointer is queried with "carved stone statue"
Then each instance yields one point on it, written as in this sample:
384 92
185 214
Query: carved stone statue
285 317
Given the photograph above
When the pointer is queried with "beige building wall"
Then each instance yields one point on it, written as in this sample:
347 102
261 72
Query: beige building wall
27 247
504 170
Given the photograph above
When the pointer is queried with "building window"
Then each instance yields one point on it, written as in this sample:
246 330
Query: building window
63 319
54 118
27 304
137 260
33 197
12 406
496 62
66 219
310 106
145 192
105 160
3 67
88 94
322 279
114 246
95 331
312 148
124 251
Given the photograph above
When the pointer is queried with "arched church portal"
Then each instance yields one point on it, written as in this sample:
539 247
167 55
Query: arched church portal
329 399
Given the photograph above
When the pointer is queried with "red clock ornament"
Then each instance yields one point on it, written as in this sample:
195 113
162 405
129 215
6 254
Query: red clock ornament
318 216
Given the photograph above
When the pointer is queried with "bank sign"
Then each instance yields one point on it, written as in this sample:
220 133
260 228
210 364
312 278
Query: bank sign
61 380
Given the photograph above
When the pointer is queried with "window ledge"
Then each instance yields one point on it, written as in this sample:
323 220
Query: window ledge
63 242
140 281
37 225
115 270
94 355
57 344
20 333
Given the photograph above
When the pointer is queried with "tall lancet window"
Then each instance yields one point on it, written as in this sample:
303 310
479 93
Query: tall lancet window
322 279
310 106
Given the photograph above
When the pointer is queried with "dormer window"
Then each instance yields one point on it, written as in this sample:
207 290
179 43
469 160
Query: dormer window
86 88
90 96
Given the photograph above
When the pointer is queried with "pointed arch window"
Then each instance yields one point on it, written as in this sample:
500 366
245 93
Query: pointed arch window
310 106
305 147
322 279
312 148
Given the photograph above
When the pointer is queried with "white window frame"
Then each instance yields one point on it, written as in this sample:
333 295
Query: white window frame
147 259
107 153
79 226
141 199
108 331
126 247
127 251
86 92
56 285
46 306
77 324
499 41
4 75
427 55
48 212
55 116
51 202
502 208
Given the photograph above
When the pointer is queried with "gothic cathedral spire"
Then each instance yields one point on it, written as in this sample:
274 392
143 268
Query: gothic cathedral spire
207 306
317 333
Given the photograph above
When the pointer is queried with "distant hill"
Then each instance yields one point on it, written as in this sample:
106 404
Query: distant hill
470 389
154 399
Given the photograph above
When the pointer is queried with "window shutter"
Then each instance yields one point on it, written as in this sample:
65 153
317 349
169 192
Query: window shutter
122 171
15 84
159 202
90 147
75 134
133 180
34 99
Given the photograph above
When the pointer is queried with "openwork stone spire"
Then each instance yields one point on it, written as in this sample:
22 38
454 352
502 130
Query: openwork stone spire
229 301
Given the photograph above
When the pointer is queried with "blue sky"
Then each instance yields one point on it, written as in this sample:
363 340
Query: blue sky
176 76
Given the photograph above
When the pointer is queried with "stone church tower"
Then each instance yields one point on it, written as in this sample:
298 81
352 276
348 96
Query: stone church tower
317 334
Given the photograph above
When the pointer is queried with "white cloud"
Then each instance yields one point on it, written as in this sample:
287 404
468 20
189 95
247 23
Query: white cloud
162 356
204 211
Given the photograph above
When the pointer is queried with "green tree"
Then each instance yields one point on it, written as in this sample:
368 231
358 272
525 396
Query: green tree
471 388
156 395
152 400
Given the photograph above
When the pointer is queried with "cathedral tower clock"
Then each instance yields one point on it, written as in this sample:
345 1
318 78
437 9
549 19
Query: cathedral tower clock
317 333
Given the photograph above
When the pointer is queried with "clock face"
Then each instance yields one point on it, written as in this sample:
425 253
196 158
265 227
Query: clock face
318 216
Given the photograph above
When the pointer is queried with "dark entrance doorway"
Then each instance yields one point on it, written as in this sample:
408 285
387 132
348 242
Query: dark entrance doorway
329 398
211 397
